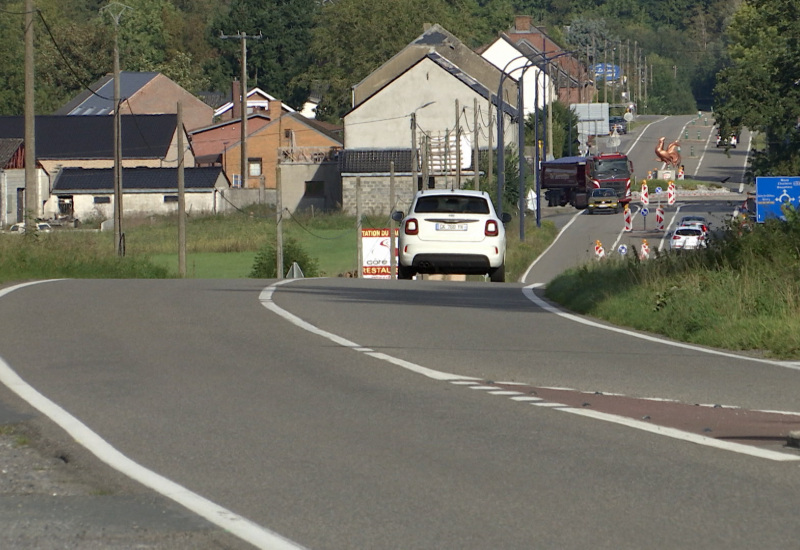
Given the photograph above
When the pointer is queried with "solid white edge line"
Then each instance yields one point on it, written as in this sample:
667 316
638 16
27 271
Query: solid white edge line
531 295
235 524
266 301
546 250
685 436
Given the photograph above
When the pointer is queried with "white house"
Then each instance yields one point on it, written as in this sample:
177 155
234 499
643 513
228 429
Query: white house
437 98
85 193
537 86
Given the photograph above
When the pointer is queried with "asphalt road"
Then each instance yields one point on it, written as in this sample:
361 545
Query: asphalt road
345 413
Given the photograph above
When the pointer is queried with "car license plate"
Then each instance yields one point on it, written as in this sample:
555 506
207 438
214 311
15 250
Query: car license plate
451 227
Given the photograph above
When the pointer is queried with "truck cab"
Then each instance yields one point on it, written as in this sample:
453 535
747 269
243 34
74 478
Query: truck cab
612 170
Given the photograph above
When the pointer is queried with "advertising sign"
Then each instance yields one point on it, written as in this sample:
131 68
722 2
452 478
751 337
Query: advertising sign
375 244
773 193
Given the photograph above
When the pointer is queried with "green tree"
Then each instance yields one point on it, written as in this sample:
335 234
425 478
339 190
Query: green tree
761 89
352 38
278 57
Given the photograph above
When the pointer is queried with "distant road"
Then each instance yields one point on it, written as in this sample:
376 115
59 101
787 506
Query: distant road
703 161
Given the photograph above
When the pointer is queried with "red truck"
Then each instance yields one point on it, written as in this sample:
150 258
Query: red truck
570 180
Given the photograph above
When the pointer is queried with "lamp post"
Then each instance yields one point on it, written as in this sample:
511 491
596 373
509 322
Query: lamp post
500 121
542 66
548 132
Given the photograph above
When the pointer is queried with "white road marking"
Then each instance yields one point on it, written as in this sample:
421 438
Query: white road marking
235 524
531 295
266 300
563 229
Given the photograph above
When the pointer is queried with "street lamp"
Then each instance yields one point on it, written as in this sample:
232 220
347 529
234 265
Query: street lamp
542 66
500 121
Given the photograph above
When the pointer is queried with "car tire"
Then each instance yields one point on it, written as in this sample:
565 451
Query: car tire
404 272
498 274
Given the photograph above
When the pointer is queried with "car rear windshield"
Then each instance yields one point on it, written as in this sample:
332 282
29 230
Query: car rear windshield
688 232
453 204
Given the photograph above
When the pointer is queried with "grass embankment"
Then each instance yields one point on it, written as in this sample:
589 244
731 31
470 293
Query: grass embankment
217 247
742 293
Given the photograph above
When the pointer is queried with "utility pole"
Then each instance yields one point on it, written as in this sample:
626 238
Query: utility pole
414 184
115 10
475 150
181 198
458 145
31 187
243 90
605 71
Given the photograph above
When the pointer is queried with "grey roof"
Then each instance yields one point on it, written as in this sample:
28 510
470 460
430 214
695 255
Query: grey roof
371 161
92 137
473 84
99 99
434 39
137 180
8 146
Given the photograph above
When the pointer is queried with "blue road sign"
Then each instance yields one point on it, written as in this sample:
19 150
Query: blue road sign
644 212
622 249
773 193
659 190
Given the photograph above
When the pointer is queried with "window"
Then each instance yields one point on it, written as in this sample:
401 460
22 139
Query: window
102 200
170 198
315 189
236 180
254 167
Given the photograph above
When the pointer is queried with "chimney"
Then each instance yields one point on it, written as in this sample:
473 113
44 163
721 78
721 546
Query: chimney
275 109
522 23
236 96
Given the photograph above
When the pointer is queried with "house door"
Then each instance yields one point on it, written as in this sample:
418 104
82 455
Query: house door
20 204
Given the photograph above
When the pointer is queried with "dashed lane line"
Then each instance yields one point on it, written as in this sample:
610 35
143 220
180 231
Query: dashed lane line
479 384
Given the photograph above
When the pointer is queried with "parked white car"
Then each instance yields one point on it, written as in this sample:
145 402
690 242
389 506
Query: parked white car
452 231
19 228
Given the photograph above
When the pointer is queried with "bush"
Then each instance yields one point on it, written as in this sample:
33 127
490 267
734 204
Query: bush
266 260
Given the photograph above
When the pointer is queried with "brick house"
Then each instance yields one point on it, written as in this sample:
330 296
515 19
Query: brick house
307 152
142 93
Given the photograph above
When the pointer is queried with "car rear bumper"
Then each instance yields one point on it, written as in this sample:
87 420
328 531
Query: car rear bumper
425 259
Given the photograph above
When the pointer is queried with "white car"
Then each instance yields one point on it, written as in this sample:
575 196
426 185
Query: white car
19 228
688 237
452 231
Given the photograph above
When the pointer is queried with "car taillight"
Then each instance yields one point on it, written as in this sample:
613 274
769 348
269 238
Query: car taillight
705 229
492 229
676 237
412 227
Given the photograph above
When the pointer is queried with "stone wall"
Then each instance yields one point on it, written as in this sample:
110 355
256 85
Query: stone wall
375 193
